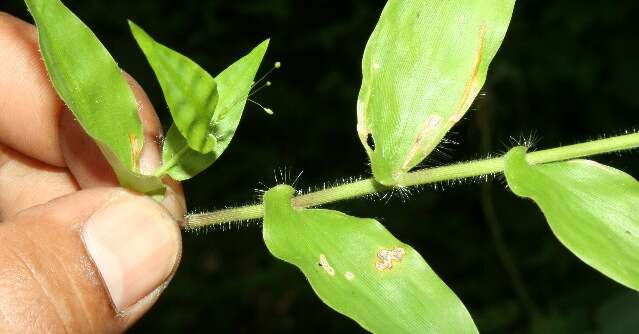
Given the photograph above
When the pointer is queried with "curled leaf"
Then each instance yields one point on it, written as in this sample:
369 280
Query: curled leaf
359 269
182 162
593 210
423 66
206 111
92 85
189 90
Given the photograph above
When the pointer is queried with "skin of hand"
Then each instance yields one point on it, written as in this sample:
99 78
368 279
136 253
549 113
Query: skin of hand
78 254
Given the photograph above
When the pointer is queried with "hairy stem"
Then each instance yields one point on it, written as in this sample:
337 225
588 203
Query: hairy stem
423 176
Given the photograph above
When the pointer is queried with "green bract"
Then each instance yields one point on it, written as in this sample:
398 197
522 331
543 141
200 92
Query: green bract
359 269
92 85
179 160
423 66
189 90
593 209
206 110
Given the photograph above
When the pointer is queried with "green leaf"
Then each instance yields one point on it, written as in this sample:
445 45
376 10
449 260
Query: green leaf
593 209
206 110
423 66
359 269
92 85
180 161
146 184
189 90
233 86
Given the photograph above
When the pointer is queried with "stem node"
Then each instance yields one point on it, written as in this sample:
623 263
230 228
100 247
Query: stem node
423 176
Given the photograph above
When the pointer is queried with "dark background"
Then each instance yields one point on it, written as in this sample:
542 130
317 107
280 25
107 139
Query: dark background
567 72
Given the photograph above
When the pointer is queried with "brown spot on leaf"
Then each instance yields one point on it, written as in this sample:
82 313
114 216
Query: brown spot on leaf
472 88
432 122
386 258
323 262
470 91
136 149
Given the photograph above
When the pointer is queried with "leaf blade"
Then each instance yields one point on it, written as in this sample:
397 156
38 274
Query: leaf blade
356 267
189 90
88 80
591 208
92 85
424 64
181 161
235 83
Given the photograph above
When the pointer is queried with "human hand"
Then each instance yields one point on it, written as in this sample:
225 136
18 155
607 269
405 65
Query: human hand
77 253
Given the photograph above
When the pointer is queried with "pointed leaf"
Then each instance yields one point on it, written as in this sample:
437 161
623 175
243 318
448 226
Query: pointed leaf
189 90
424 64
88 79
180 160
92 85
359 269
234 85
593 210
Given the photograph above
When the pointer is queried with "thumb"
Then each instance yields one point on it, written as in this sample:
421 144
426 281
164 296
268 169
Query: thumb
93 261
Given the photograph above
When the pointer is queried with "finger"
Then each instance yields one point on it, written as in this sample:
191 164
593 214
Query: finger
83 157
93 261
27 182
29 106
30 112
89 167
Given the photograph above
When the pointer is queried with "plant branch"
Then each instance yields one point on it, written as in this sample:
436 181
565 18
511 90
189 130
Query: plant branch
423 176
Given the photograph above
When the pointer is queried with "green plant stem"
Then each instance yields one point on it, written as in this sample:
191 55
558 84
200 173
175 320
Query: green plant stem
424 176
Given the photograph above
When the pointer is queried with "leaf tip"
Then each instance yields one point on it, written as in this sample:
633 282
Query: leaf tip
138 33
134 27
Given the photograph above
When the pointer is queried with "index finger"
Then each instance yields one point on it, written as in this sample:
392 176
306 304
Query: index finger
29 106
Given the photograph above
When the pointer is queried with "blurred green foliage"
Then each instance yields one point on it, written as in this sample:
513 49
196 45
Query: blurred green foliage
566 71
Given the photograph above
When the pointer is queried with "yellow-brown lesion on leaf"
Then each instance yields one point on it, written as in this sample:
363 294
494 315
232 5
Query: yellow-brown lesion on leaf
136 150
363 100
471 89
387 257
432 122
323 262
472 85
362 128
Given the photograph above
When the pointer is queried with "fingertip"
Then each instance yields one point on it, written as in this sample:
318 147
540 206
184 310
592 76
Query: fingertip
135 244
101 257
174 200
